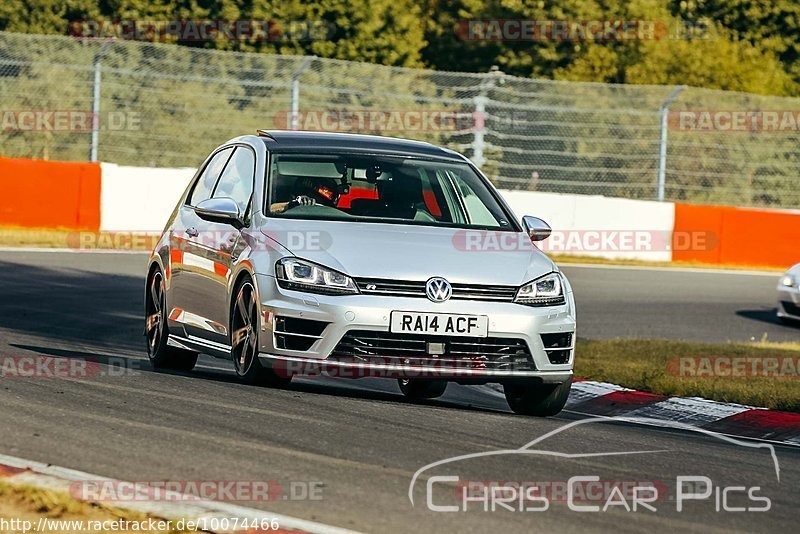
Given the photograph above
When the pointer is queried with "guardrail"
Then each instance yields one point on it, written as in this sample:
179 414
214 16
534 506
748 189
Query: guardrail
129 201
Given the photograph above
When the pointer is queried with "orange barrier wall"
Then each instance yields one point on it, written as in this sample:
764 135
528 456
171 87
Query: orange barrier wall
736 236
49 194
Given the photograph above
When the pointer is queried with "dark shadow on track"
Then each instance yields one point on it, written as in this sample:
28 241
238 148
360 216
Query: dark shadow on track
326 386
70 305
763 315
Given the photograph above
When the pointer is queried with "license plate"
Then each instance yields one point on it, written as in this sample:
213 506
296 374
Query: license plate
445 324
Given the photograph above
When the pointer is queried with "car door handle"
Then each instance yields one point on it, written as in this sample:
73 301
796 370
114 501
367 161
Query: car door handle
192 232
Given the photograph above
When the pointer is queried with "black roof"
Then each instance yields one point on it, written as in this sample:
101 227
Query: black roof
303 141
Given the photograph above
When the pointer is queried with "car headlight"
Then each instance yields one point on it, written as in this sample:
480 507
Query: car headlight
303 275
545 291
788 280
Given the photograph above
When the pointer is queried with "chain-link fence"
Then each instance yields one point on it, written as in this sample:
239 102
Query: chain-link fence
165 105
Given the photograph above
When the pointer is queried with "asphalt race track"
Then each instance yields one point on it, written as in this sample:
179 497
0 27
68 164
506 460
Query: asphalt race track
694 305
360 441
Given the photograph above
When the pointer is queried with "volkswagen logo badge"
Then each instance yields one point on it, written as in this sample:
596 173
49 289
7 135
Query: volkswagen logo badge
438 289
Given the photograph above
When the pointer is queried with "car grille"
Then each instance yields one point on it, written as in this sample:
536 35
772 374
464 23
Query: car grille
472 353
400 288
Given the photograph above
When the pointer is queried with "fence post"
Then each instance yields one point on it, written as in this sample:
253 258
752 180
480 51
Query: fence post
296 90
480 122
98 59
662 145
481 100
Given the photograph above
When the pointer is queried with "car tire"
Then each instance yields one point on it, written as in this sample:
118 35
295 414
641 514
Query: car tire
244 327
539 400
414 388
156 330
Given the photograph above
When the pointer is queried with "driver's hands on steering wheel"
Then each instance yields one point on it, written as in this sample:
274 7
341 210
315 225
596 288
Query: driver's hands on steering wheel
301 200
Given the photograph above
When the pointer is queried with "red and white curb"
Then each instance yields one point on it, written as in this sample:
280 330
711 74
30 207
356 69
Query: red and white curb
20 472
603 399
610 400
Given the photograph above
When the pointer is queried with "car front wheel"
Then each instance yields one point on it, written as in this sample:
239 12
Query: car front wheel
244 324
537 399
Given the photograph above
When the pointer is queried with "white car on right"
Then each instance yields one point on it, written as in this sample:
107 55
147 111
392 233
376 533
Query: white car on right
789 296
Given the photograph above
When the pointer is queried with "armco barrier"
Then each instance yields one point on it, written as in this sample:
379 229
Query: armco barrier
49 194
140 199
108 197
740 236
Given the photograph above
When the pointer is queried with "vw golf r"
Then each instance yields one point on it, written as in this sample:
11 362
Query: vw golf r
381 281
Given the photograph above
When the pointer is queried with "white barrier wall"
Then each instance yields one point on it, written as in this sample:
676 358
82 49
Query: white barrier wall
140 199
600 226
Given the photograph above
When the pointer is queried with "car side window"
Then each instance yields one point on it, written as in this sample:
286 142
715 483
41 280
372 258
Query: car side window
478 212
205 184
236 181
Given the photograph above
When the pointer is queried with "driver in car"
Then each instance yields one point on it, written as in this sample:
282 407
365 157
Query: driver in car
310 192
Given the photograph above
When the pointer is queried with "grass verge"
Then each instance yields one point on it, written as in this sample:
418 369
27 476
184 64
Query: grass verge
758 374
79 240
15 237
29 504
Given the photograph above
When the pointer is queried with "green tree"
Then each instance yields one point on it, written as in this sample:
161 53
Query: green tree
386 32
770 25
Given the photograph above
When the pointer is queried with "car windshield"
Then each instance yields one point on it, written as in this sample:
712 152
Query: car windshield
390 189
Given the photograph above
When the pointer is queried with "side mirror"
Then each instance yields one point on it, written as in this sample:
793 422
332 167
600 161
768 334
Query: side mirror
223 210
537 229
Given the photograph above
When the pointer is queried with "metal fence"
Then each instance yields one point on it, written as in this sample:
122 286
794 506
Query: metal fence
165 105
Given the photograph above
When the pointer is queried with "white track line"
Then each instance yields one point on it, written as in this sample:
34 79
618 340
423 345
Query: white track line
56 478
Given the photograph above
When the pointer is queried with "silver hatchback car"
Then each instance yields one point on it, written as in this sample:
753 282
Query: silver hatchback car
789 296
299 253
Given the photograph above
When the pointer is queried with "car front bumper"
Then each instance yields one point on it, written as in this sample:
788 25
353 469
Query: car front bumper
346 313
788 302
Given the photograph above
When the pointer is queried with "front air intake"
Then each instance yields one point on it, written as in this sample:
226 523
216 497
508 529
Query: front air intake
558 347
294 333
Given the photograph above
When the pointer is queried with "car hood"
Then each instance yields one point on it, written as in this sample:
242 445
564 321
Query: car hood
406 252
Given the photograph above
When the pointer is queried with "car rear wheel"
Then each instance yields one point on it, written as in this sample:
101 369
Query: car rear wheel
244 325
537 399
415 388
161 355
